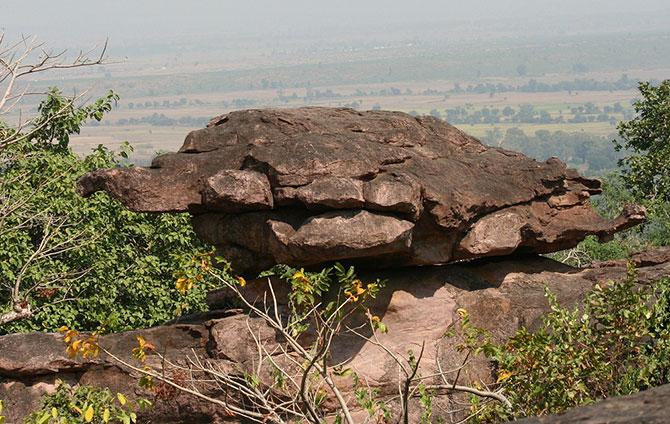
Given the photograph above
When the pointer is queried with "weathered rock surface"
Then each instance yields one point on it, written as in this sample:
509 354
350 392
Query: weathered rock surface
648 407
418 305
312 185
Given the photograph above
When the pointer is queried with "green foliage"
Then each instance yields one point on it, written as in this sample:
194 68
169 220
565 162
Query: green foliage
647 171
591 250
308 289
615 249
121 267
322 302
370 400
426 400
86 404
59 117
654 232
616 343
590 152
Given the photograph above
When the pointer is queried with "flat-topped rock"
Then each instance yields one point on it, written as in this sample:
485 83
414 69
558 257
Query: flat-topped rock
311 185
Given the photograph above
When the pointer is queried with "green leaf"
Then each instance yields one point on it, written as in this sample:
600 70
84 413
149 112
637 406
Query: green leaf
44 418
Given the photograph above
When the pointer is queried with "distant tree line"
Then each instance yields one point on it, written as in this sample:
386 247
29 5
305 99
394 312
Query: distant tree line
158 120
238 103
534 86
528 114
591 153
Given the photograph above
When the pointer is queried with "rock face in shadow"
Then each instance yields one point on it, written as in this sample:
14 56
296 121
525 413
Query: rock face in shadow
312 185
647 407
418 305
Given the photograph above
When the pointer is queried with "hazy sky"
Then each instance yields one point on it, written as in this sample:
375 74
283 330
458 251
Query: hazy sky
79 21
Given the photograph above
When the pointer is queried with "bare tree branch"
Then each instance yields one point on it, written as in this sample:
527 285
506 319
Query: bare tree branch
28 57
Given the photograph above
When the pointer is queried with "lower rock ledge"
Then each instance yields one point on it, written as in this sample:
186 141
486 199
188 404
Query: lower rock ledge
648 407
417 304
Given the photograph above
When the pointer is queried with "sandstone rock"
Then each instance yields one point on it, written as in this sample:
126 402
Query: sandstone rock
236 191
39 354
318 184
647 407
418 304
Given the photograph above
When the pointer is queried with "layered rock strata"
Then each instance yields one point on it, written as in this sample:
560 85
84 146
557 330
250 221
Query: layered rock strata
313 185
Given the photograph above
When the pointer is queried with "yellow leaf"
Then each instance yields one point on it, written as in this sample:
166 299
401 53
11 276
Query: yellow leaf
63 329
358 285
351 296
54 412
300 278
105 415
241 280
139 353
69 335
73 349
503 375
184 284
462 312
141 342
122 399
88 415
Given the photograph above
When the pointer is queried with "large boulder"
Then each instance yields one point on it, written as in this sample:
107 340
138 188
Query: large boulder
312 185
418 305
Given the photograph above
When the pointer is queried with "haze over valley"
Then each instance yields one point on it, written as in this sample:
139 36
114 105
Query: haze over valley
544 77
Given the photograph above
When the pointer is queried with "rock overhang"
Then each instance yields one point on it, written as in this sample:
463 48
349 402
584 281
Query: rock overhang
313 185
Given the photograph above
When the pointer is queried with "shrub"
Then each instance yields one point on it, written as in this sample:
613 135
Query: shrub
107 264
86 404
616 343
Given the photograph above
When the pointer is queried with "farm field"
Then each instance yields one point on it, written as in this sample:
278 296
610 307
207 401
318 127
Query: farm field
164 97
148 139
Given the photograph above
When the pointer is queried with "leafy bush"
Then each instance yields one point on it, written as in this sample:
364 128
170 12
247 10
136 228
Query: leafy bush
86 404
646 170
109 264
655 232
616 343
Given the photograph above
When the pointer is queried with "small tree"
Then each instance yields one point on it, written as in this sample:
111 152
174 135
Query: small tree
65 259
647 169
